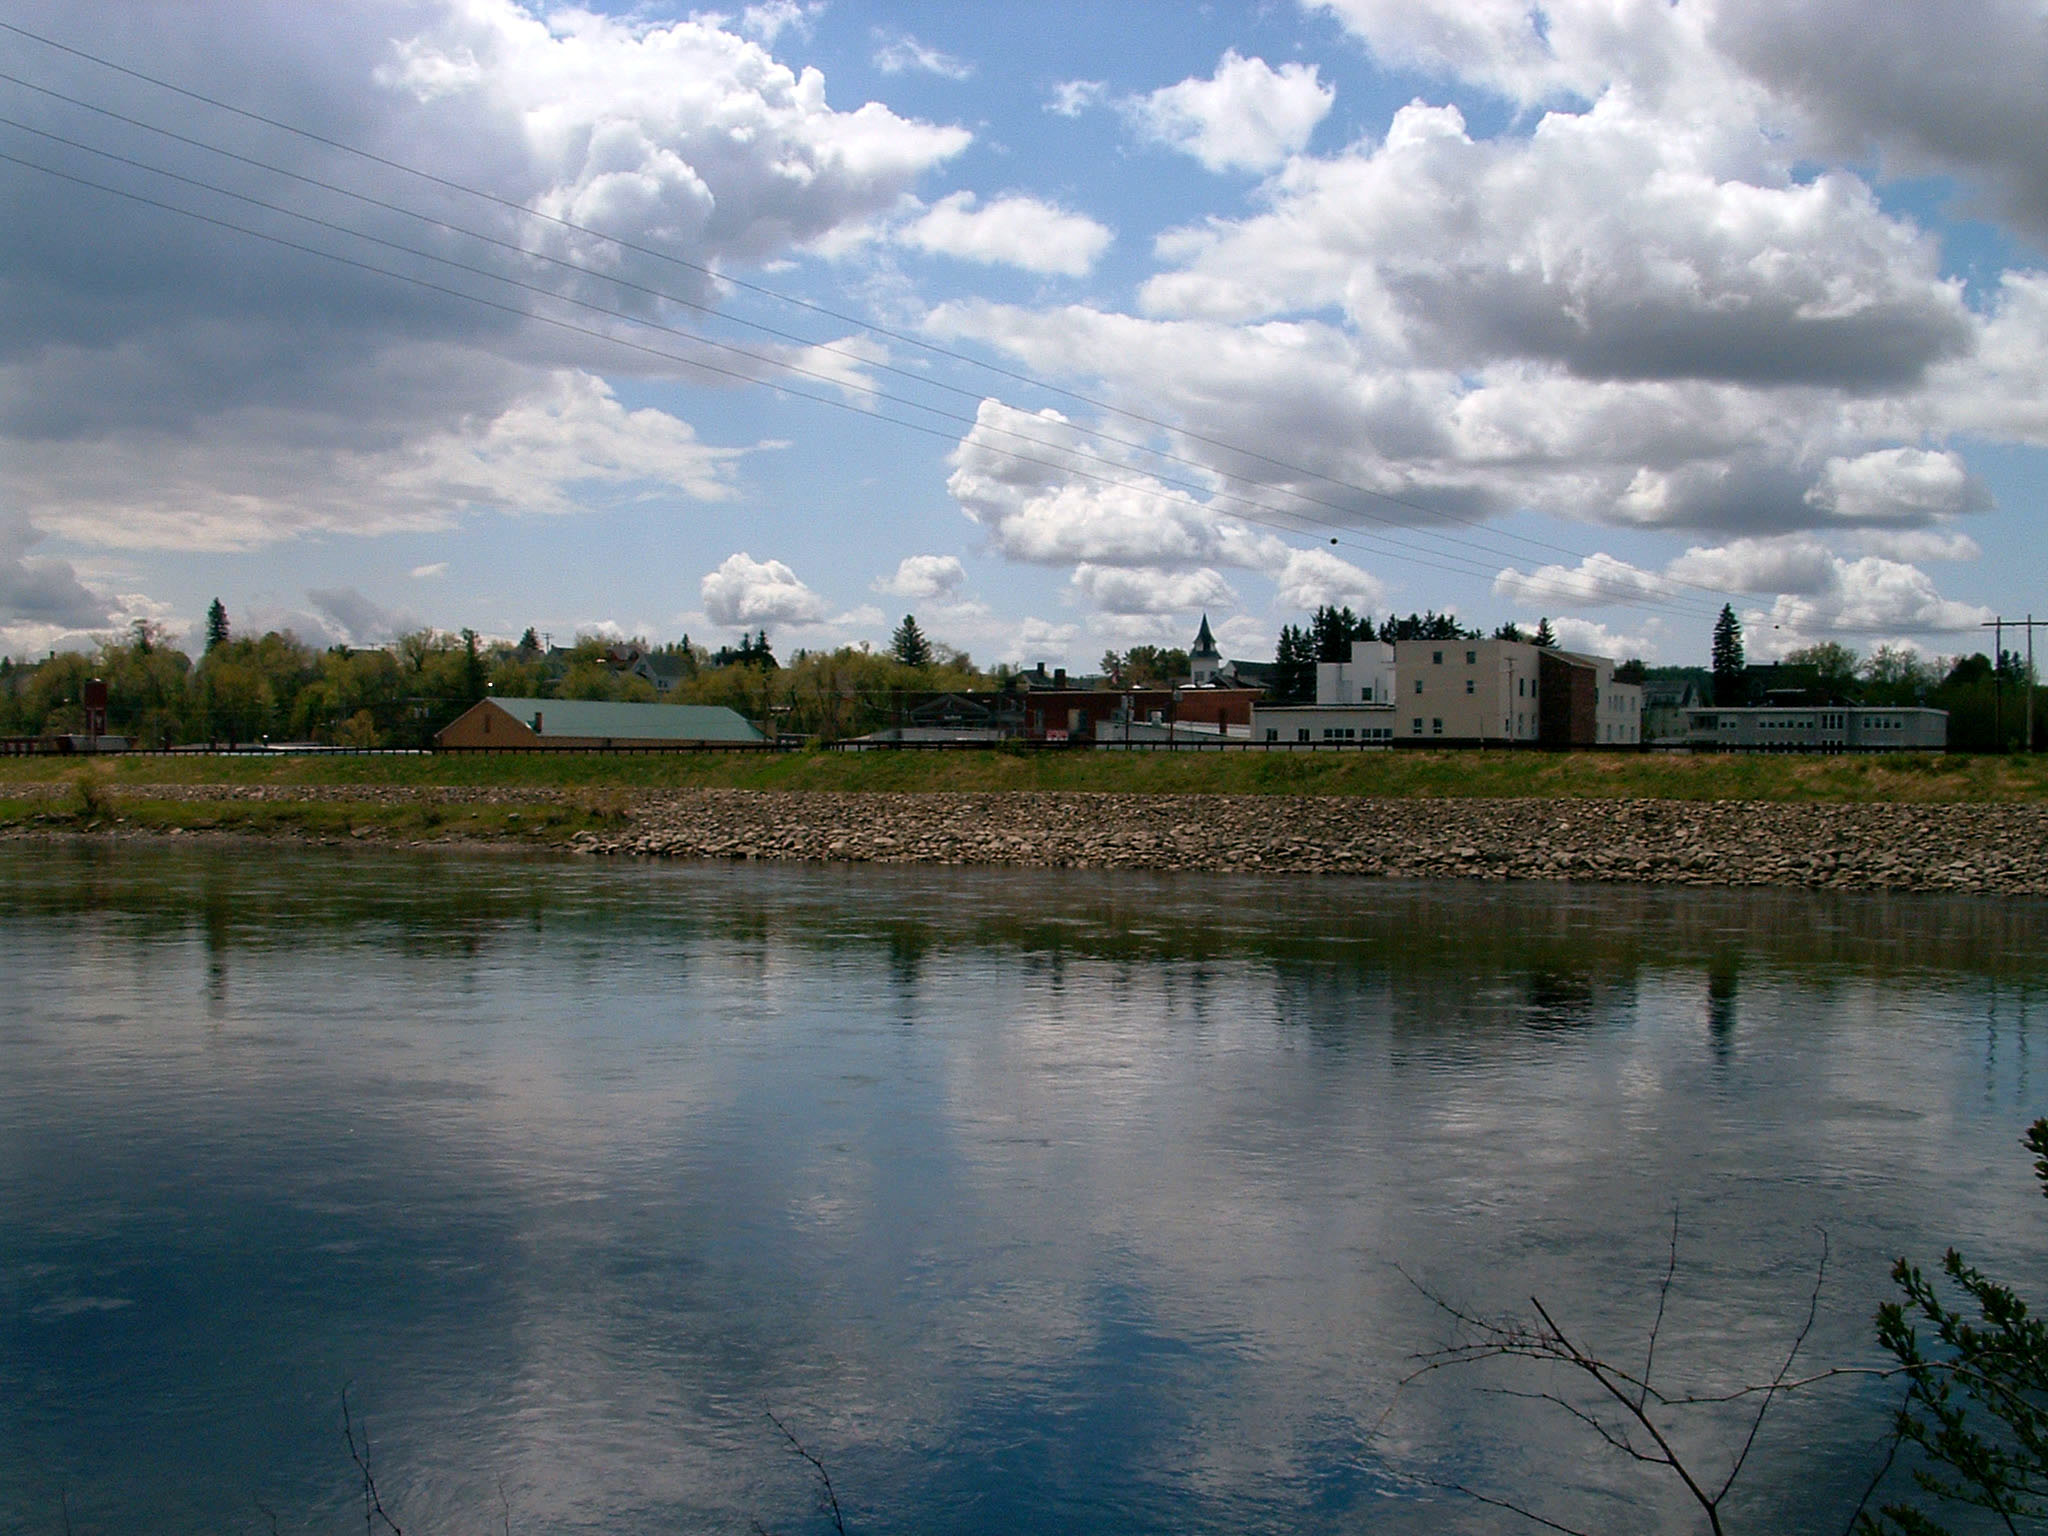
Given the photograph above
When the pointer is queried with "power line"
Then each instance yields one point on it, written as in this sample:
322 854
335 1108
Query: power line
867 325
1626 595
1468 568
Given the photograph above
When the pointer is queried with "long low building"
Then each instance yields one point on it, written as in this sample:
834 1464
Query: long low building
1818 727
589 725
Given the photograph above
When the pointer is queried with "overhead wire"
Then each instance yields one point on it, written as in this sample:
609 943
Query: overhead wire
1631 594
613 339
1396 548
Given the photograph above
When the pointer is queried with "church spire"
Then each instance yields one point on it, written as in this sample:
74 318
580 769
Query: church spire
1205 643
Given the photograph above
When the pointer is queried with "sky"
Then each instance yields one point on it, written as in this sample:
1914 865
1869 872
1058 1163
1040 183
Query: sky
1058 325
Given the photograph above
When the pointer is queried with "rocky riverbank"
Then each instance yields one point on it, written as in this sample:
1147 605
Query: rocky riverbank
1858 846
1954 847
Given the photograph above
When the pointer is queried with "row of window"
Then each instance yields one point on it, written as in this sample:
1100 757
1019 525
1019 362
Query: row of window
1523 687
1824 722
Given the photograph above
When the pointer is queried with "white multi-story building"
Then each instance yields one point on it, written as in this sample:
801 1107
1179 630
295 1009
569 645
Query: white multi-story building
1460 692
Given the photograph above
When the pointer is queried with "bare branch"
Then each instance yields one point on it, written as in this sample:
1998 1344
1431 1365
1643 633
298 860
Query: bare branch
1619 1441
1777 1384
1790 1384
817 1466
1507 1504
1610 1383
1663 1296
373 1505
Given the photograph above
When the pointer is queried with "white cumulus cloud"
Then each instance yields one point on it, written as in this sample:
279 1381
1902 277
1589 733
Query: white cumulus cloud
1313 578
1599 580
744 592
1013 231
1248 116
924 576
1147 590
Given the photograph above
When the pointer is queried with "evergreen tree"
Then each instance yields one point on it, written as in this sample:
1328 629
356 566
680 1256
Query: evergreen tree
1728 659
1545 635
1294 666
1974 1410
1333 629
1509 631
908 644
473 674
216 625
529 642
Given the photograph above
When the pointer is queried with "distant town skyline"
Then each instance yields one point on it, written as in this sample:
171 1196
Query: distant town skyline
1056 327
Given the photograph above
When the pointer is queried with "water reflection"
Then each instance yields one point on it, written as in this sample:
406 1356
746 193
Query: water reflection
1074 1201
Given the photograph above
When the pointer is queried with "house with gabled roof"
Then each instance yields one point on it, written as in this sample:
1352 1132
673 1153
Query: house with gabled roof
593 725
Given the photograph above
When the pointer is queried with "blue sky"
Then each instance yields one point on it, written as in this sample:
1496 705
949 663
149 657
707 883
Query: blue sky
1604 310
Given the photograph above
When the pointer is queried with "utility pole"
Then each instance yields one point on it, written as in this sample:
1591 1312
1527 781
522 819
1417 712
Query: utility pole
1998 627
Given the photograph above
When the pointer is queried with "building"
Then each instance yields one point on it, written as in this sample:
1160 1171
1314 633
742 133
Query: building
571 724
1204 660
1367 678
1823 728
1668 703
1101 714
1461 693
662 670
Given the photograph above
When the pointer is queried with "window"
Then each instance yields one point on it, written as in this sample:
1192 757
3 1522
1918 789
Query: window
1302 734
1418 685
1436 727
1436 658
1471 658
1272 733
1418 725
1471 686
1521 687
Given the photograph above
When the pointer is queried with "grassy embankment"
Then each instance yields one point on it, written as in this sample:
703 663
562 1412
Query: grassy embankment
548 798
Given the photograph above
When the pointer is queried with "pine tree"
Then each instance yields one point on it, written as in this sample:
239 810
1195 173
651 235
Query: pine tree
216 625
1728 659
1294 666
1545 635
474 676
908 644
1333 629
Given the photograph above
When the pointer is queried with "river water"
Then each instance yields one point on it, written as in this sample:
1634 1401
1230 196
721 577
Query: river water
1025 1201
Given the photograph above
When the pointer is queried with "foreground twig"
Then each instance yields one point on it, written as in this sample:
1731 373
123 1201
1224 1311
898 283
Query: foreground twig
373 1505
828 1497
1627 1413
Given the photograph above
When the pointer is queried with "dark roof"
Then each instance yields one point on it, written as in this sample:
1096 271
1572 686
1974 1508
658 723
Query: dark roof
630 722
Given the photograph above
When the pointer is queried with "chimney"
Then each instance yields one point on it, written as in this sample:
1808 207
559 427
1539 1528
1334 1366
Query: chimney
536 722
1059 677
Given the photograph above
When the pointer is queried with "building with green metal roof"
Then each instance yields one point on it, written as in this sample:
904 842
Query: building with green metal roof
592 725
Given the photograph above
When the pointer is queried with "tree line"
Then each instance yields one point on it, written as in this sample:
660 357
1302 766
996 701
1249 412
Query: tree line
1986 700
246 689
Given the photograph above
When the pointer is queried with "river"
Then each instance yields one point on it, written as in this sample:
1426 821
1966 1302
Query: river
1025 1201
